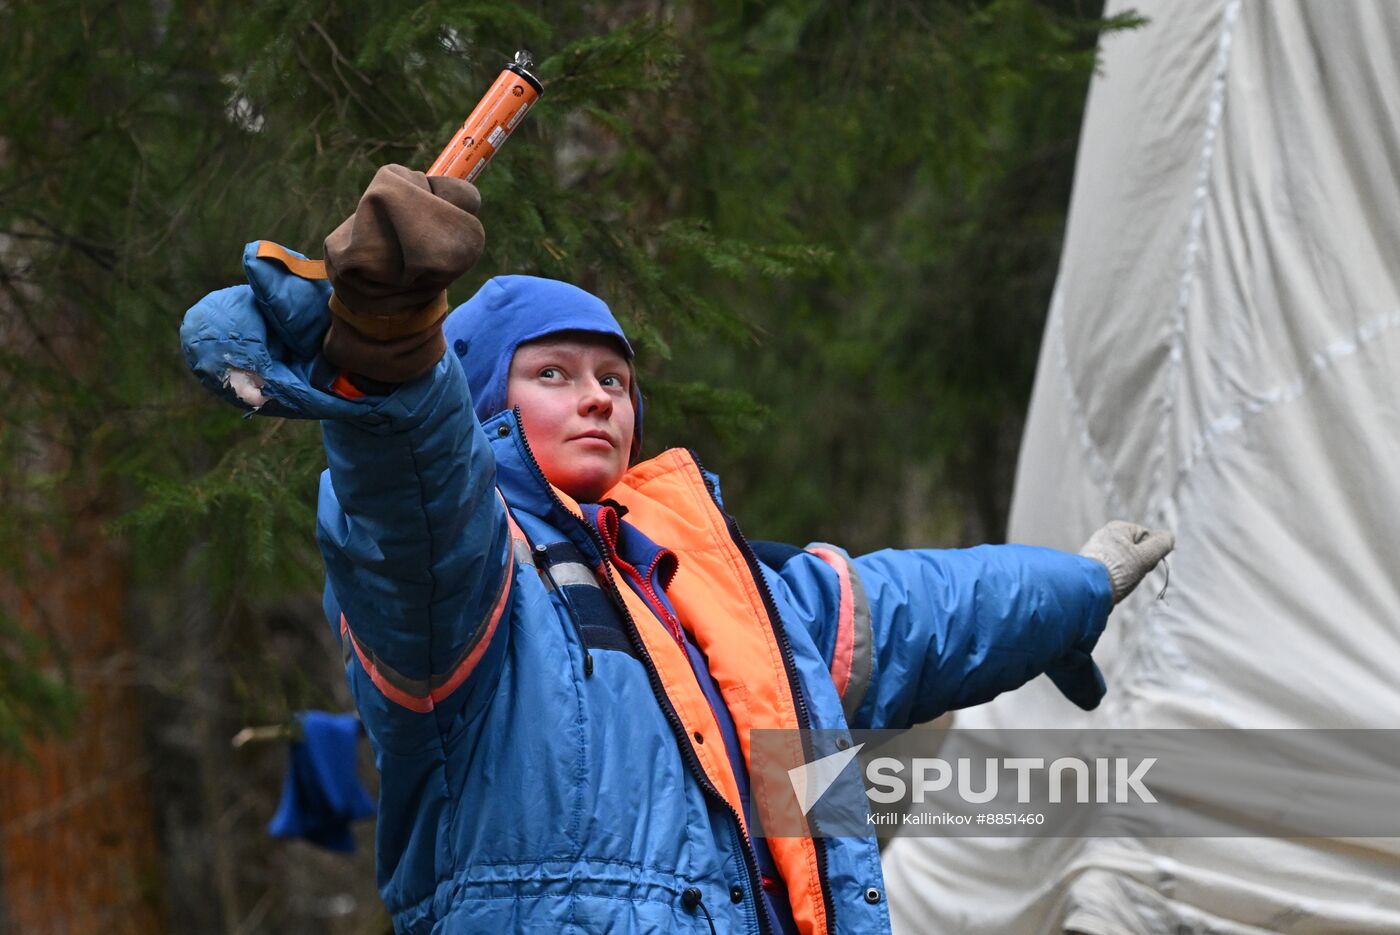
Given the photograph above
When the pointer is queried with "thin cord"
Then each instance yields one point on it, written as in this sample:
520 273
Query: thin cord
708 919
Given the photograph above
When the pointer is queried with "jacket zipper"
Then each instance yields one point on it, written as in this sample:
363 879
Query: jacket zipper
672 624
804 719
643 583
687 752
659 691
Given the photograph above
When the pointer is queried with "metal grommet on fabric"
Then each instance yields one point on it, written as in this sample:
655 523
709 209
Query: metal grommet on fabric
843 743
872 895
691 897
503 430
736 894
459 347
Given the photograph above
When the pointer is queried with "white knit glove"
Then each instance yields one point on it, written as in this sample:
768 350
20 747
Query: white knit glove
1129 552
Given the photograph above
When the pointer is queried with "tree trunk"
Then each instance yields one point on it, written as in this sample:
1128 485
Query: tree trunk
80 847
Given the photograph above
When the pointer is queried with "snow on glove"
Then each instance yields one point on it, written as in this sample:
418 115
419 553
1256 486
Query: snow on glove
255 345
390 264
258 346
1129 552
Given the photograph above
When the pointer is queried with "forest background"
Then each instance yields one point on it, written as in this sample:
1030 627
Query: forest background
832 229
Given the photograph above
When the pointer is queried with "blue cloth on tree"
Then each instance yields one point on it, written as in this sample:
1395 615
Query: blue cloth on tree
322 792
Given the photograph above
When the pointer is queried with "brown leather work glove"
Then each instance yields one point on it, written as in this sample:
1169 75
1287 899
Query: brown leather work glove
390 263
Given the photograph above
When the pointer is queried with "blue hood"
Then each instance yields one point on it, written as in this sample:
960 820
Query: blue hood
507 312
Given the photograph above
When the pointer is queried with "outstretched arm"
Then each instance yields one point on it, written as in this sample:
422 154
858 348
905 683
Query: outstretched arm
910 634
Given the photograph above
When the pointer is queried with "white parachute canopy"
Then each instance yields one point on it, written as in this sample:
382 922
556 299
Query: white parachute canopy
1220 359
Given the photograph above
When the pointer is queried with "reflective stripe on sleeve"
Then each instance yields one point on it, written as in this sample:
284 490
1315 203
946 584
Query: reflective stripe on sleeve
851 660
422 695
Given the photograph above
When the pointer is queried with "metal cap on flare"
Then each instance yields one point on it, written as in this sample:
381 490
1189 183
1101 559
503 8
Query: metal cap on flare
521 65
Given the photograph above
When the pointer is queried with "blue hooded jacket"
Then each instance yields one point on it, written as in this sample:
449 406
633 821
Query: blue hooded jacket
543 763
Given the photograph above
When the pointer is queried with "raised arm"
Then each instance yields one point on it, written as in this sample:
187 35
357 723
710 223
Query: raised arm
414 536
